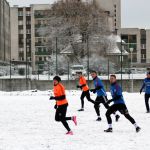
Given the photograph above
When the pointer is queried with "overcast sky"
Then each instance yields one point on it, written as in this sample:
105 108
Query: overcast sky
135 13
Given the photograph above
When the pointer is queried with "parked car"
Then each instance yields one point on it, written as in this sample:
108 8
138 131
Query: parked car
2 73
76 69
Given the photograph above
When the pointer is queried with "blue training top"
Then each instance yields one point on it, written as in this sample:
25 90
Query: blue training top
116 93
146 86
98 83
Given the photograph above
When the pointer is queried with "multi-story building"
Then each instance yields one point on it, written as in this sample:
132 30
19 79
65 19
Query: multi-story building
113 7
139 40
27 44
4 31
21 33
40 51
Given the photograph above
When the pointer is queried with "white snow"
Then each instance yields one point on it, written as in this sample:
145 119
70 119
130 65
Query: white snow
27 123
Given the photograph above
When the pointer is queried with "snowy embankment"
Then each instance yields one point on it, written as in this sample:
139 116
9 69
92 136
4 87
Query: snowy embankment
27 123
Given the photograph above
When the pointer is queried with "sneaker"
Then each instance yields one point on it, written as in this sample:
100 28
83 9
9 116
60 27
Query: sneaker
69 133
74 119
82 109
117 118
148 112
138 129
98 119
108 130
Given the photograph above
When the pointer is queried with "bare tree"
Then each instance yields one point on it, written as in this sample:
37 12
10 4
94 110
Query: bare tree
77 24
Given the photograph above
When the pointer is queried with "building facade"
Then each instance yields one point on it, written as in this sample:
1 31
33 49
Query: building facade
139 40
113 7
27 45
4 31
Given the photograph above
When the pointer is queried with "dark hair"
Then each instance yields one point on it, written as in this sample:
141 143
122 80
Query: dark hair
57 78
79 73
113 75
93 71
148 72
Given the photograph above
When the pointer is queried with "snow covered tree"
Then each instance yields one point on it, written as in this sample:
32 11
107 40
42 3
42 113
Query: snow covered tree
77 25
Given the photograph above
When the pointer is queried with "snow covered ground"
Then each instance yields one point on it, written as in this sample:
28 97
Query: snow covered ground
27 123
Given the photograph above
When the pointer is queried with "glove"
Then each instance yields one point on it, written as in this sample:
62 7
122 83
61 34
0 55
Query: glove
109 101
55 107
140 91
93 90
52 97
78 86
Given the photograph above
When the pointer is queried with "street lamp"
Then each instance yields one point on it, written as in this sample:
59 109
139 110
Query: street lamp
131 51
88 57
56 56
121 59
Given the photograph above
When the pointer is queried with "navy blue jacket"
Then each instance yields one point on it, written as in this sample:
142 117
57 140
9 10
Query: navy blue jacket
116 93
98 83
146 86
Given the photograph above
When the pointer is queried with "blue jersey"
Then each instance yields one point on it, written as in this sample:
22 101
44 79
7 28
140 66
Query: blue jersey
146 86
116 93
98 83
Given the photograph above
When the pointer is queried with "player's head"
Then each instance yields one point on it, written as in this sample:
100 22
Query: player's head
113 78
93 74
148 74
79 74
56 80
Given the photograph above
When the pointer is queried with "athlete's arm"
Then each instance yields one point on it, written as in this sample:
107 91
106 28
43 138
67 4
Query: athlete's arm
143 86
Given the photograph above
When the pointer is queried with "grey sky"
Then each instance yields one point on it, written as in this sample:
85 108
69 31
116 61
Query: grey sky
135 13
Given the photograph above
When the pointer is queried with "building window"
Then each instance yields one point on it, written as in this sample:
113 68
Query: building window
20 13
28 31
21 49
28 13
40 58
28 22
143 46
45 59
143 56
20 31
28 49
20 22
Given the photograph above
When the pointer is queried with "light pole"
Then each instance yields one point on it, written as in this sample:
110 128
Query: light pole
121 59
88 59
56 57
26 64
131 51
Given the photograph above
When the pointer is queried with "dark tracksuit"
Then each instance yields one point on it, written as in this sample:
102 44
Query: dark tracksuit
119 104
61 105
61 115
146 87
101 95
87 95
85 91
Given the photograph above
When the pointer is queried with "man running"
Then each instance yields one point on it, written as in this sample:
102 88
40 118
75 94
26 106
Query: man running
85 90
119 105
146 86
61 104
101 95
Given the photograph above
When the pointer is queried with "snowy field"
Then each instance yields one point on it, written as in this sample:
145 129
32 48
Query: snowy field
27 123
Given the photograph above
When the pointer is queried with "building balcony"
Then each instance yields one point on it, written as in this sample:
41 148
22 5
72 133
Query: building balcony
40 62
39 44
41 53
39 16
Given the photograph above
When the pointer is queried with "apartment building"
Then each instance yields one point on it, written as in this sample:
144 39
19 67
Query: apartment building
139 40
27 44
4 31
